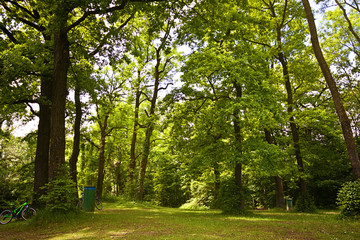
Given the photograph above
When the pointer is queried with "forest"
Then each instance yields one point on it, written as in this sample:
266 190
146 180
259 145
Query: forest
199 104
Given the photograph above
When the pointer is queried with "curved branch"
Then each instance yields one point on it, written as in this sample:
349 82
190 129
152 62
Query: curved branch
348 21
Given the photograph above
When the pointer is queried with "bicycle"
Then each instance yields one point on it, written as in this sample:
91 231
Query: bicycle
24 211
98 203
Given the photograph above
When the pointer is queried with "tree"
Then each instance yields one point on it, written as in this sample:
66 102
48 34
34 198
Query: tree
343 118
162 54
106 96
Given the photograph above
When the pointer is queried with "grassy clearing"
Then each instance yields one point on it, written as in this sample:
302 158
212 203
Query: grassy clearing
133 221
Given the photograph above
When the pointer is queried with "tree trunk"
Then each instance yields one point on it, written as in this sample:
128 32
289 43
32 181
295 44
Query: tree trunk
101 172
61 66
293 126
343 118
76 145
41 176
238 138
149 130
118 178
143 163
217 181
279 189
133 157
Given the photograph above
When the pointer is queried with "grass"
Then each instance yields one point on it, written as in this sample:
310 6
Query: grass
135 221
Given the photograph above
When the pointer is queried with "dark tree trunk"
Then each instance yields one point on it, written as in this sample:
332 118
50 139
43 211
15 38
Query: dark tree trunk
119 179
238 138
76 145
61 66
133 156
143 163
279 192
279 189
101 169
217 181
149 130
293 126
343 118
41 176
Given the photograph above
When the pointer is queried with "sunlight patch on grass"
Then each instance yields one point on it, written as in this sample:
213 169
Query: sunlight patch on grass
253 219
90 233
80 234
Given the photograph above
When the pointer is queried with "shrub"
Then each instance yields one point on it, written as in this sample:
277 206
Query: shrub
61 195
348 199
305 203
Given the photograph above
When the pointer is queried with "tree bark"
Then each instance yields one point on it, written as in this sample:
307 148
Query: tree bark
76 144
61 66
339 107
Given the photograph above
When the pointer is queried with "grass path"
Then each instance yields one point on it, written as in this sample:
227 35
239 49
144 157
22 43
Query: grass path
118 221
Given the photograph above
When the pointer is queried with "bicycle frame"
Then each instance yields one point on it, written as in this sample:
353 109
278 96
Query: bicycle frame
16 212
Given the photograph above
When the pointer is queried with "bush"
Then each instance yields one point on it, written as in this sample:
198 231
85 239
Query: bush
348 199
305 203
61 195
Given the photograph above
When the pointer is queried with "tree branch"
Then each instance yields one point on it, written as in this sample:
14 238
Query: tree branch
9 34
90 141
103 42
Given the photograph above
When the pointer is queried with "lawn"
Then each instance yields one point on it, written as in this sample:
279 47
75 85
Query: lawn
133 221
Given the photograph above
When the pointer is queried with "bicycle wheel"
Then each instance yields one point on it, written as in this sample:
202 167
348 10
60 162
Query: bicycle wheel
98 204
28 213
5 216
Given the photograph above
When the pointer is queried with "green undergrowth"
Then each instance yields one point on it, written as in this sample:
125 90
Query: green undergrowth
132 220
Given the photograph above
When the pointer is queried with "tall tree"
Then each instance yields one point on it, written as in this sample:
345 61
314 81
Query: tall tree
343 118
163 57
107 95
38 45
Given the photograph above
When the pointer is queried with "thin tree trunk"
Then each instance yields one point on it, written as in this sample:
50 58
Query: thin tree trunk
350 26
293 126
279 189
61 66
76 145
149 130
238 138
119 184
343 118
217 181
133 156
101 172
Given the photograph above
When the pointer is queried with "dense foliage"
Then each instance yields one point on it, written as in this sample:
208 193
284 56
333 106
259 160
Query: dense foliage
199 104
